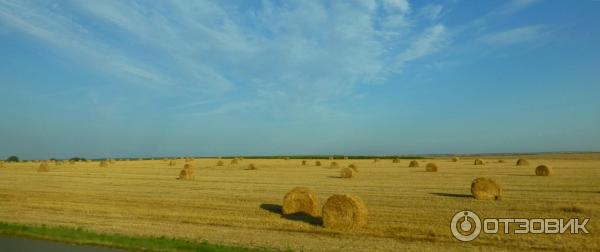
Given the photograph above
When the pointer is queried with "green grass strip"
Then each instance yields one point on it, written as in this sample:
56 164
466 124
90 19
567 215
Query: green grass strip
141 243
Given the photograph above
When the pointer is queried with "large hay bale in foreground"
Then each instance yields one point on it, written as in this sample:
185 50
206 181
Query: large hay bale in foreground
543 170
187 173
522 161
413 163
347 173
344 212
478 162
486 189
251 167
455 159
43 167
103 163
220 163
300 200
431 167
317 163
353 167
334 165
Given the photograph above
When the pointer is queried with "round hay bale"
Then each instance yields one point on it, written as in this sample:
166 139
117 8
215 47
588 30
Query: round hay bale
317 163
353 167
286 158
346 158
251 167
334 165
1 164
455 159
543 170
188 166
330 157
376 160
187 173
347 173
72 162
300 200
486 189
303 162
344 212
522 162
172 163
396 160
413 163
501 161
43 167
234 161
478 162
103 163
431 167
220 163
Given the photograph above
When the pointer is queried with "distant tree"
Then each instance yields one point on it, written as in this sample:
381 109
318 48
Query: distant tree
77 159
53 159
12 159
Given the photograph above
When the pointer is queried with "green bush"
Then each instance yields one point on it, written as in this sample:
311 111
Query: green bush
12 159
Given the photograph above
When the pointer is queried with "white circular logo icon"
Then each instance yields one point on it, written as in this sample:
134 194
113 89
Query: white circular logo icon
470 226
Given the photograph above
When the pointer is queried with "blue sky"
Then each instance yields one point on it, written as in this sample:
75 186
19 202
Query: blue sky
153 78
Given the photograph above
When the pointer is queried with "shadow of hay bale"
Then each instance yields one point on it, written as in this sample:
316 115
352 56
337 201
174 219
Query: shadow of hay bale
453 195
306 218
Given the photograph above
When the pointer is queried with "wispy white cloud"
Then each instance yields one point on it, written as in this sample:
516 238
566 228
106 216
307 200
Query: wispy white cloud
514 36
515 6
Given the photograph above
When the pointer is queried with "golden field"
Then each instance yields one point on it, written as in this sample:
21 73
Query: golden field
409 209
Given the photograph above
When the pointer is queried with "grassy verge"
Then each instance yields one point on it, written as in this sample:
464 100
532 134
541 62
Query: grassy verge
86 237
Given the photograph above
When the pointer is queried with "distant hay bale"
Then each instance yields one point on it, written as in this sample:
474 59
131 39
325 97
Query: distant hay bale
375 160
347 173
103 163
317 163
346 158
300 200
396 160
455 159
344 212
413 163
522 162
220 163
43 167
59 162
478 162
286 158
251 167
187 173
486 189
1 164
330 157
303 162
501 161
353 167
172 163
543 170
72 162
431 167
234 161
334 165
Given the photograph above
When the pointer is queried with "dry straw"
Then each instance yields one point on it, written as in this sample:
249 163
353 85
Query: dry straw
300 200
396 160
220 163
522 162
317 163
376 160
455 159
478 162
187 173
353 167
286 158
251 167
303 162
234 161
347 173
43 167
346 158
501 161
431 167
172 163
543 170
103 163
344 212
413 163
334 165
486 189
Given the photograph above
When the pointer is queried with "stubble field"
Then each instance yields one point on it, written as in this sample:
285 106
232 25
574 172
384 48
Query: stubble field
409 209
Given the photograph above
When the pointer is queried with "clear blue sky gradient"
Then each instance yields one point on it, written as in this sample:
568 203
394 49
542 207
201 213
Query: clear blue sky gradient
182 78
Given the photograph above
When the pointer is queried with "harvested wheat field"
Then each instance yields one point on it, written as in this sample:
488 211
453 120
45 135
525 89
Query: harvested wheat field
408 208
